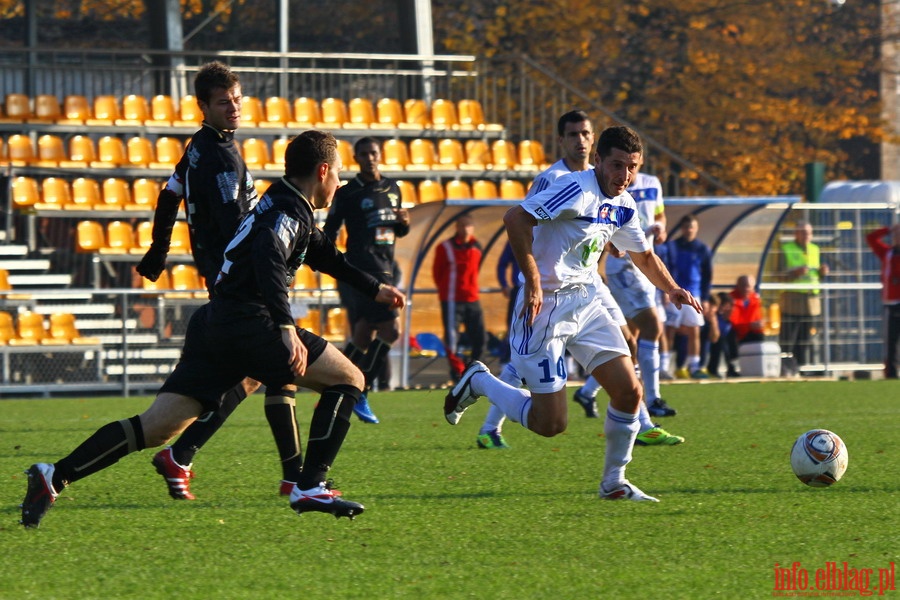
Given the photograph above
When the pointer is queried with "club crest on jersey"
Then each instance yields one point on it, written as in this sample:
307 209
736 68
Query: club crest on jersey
609 214
366 203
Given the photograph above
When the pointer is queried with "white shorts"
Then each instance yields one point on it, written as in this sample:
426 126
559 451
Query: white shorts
686 317
569 321
604 295
632 290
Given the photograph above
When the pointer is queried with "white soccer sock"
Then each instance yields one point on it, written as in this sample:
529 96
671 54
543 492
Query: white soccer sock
693 363
665 361
644 417
510 376
512 401
495 417
591 387
648 359
620 429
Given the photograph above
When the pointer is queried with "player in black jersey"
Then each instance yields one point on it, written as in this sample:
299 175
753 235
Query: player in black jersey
246 330
218 191
370 208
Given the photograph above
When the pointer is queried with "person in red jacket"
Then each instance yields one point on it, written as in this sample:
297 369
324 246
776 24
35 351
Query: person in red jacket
747 314
455 270
889 255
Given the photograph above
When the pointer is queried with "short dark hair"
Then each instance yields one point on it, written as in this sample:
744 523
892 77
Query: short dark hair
307 151
573 116
363 142
725 298
213 75
622 138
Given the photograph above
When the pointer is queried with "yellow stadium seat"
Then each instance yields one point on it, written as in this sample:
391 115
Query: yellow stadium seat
89 236
76 110
168 152
458 190
116 194
185 279
361 112
85 194
16 108
415 114
278 147
62 331
81 152
25 192
162 283
4 281
430 191
471 116
7 328
145 192
422 155
443 114
135 111
478 156
106 111
51 151
408 195
278 112
55 194
46 109
503 155
512 189
111 153
162 111
30 329
394 155
20 150
256 153
190 114
345 149
334 113
143 237
484 189
389 114
261 185
119 238
531 156
307 113
450 154
181 239
140 152
251 111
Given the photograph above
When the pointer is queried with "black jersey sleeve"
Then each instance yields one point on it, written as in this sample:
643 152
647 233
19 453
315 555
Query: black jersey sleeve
333 221
323 256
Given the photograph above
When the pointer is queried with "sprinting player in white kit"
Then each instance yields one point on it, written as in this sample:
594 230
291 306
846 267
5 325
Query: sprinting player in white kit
557 236
576 139
638 297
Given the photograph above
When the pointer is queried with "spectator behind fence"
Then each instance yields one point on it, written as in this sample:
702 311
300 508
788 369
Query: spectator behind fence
725 346
747 316
800 309
889 255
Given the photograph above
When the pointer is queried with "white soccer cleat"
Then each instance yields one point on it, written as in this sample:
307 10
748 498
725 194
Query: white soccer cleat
626 491
460 397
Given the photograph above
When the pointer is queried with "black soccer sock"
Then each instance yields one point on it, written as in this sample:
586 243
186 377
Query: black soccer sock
281 413
198 433
330 423
104 448
373 360
353 352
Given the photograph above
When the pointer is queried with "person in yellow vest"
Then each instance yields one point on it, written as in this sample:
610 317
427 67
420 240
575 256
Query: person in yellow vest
800 309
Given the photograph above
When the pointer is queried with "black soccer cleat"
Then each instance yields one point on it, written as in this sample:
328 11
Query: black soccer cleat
323 499
40 495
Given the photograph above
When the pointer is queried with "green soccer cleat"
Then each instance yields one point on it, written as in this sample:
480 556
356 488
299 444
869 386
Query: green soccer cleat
657 436
492 440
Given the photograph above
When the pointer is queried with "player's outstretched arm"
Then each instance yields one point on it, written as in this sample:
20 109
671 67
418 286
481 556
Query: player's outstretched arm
652 266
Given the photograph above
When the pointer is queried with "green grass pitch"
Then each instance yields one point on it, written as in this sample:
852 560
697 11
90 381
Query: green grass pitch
446 520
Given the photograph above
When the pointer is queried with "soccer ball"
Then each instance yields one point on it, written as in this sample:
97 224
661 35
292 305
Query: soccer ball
819 458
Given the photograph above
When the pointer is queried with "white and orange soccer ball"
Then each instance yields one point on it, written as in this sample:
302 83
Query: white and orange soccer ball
819 458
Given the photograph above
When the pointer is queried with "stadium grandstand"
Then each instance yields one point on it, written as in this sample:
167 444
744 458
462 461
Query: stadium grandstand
88 137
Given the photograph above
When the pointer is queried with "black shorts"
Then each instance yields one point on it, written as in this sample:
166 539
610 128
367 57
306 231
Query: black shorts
221 350
359 306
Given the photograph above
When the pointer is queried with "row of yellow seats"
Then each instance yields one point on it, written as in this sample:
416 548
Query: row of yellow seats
123 237
181 281
85 193
109 152
274 111
30 328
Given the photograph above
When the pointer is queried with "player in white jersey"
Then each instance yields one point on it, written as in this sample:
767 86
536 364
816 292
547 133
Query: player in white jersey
557 236
638 297
576 139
